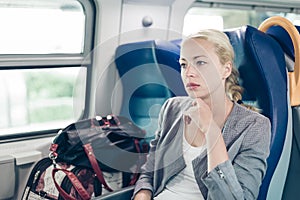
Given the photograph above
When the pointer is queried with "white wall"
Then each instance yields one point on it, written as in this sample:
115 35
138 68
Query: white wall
107 39
131 25
178 11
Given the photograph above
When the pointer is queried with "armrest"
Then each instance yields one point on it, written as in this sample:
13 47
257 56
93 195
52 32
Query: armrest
122 194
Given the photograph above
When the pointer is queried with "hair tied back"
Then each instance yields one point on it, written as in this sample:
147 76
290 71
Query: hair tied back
239 101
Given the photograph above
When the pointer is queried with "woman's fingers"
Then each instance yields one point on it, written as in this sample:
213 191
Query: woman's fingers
187 119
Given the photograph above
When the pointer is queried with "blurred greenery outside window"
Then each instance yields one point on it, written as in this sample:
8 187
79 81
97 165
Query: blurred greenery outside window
40 99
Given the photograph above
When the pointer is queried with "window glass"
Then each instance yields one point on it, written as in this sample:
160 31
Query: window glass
224 18
40 99
41 27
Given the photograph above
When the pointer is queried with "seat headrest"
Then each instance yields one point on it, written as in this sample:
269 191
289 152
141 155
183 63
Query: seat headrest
137 67
283 38
167 56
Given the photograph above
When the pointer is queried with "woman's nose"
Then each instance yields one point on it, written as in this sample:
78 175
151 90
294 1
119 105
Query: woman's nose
190 71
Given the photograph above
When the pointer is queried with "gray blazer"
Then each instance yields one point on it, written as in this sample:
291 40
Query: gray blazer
247 137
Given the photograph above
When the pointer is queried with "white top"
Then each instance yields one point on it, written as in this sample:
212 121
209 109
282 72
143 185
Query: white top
184 185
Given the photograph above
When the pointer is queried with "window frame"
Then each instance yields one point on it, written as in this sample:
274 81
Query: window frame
254 6
276 6
57 60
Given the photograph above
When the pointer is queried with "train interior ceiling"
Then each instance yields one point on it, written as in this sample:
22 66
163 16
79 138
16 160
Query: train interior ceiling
62 61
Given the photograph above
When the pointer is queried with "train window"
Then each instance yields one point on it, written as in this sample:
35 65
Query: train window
45 62
45 27
224 16
40 99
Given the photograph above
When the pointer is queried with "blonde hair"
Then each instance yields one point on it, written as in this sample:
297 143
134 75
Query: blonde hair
225 53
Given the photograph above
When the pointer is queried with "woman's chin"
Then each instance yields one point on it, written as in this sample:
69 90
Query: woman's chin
195 95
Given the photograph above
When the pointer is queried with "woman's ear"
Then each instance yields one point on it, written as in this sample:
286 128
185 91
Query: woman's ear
227 70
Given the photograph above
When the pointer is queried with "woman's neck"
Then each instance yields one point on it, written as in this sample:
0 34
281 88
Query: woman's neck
221 107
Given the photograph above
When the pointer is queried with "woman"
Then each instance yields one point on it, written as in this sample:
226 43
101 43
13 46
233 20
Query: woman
207 146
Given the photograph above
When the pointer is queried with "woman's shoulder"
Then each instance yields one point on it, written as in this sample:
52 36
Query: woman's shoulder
179 100
247 116
255 127
176 105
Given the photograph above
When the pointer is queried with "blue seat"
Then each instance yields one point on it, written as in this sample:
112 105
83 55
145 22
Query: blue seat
291 188
260 61
283 38
167 56
144 88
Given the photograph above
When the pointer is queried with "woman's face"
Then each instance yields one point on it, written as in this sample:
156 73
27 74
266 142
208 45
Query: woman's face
201 70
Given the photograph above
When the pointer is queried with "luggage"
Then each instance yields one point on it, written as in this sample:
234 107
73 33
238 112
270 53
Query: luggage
84 155
40 184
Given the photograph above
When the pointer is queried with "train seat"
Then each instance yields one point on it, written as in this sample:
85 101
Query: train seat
265 84
291 190
144 87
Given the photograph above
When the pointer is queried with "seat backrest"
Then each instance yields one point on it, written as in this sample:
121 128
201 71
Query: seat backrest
260 61
144 88
291 188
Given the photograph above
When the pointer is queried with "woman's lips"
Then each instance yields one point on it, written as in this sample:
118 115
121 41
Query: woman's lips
191 86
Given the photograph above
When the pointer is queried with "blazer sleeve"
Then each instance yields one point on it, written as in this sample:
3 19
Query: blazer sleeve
241 177
145 180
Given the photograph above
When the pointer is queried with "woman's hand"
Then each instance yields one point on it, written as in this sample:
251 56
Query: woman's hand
197 121
198 116
208 132
143 195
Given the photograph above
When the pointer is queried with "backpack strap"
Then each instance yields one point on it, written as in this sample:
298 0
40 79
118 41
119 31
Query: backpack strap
75 182
91 156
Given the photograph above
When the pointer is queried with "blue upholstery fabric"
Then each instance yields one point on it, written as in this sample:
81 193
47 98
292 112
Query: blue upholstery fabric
283 39
144 88
260 61
291 188
177 42
167 55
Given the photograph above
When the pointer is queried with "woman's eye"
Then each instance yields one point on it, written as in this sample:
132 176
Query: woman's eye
183 65
200 63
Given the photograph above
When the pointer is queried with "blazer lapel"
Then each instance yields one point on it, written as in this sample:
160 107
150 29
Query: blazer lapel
230 135
169 159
